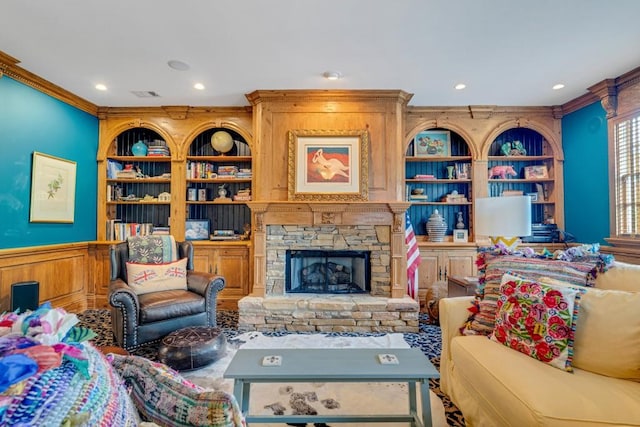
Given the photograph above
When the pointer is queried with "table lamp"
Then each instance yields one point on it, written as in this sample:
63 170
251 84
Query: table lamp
503 219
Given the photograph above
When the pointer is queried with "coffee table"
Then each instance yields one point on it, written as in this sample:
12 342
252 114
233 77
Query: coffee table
334 365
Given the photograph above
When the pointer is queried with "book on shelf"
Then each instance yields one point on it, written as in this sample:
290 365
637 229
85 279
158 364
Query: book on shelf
126 174
454 198
234 237
118 230
227 171
223 232
424 176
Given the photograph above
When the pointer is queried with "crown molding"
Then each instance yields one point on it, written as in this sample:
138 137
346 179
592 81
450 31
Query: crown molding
9 67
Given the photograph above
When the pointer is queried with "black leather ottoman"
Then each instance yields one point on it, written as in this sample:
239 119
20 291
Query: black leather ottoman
192 347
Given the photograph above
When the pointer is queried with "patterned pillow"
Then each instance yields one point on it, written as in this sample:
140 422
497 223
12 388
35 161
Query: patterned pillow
165 397
152 249
145 278
492 266
537 320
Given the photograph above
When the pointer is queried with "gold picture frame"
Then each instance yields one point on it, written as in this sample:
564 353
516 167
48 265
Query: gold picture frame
328 165
53 189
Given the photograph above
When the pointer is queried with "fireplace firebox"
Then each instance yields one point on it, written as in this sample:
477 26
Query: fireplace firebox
328 272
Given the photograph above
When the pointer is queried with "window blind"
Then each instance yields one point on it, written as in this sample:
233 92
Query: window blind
627 204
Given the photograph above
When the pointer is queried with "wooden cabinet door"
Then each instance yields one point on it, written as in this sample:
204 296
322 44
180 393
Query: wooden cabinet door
427 274
459 263
233 265
204 260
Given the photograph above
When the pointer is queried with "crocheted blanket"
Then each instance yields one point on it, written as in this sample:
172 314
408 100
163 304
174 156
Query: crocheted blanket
51 376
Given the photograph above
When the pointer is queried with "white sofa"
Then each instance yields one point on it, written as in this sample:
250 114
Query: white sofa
494 385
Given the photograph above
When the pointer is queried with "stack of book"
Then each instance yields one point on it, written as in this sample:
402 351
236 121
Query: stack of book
227 171
224 235
454 198
158 148
127 174
243 195
160 230
244 174
418 198
424 176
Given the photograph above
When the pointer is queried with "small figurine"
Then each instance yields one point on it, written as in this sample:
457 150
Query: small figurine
502 171
460 223
247 232
222 191
514 148
517 149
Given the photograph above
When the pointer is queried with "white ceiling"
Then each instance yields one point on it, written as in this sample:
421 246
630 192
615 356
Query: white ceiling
508 52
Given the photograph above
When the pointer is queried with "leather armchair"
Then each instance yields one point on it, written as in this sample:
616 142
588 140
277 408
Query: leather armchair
142 319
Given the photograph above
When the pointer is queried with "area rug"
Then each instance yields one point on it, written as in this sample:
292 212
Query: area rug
317 398
428 339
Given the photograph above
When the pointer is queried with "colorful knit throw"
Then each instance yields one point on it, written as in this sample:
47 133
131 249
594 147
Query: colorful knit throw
51 376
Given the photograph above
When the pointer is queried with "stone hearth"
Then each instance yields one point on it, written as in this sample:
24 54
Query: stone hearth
376 227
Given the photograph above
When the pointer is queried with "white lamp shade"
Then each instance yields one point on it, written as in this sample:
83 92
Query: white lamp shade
503 216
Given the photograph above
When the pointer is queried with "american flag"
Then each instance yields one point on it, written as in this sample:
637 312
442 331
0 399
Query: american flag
413 258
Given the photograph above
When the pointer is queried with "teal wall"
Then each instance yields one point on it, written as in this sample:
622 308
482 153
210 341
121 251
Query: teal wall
32 121
586 174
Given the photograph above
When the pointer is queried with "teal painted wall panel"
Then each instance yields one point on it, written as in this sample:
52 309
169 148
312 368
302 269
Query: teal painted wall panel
586 174
32 121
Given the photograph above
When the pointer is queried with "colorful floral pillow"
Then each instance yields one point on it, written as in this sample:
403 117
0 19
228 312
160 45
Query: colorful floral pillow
145 278
537 320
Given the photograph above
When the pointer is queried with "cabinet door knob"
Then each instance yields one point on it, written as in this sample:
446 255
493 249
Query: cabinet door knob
445 273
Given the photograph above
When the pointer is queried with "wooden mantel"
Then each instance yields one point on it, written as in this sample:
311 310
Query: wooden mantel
389 214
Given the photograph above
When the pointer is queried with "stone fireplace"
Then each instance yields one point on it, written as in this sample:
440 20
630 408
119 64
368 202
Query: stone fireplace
370 227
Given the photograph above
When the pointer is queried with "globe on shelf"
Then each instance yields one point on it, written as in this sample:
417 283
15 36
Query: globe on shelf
222 141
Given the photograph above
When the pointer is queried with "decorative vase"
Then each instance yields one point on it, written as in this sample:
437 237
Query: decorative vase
139 149
436 227
449 172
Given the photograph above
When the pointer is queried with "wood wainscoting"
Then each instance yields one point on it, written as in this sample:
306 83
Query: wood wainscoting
63 271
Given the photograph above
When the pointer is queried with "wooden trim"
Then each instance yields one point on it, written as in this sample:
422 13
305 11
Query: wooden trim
9 67
63 271
290 95
578 103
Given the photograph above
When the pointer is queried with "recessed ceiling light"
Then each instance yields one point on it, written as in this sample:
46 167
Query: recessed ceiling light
101 86
332 75
460 86
558 86
198 86
178 65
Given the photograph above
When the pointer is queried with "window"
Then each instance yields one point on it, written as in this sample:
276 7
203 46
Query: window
627 177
